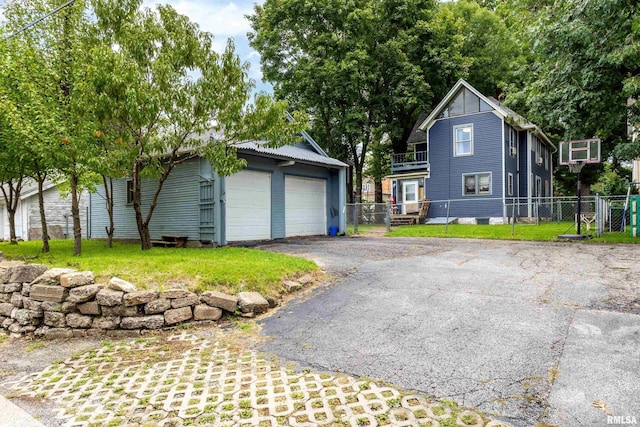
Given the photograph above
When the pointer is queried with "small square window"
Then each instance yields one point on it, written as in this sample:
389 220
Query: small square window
129 191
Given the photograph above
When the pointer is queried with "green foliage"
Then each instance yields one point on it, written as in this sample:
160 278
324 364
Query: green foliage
583 68
612 181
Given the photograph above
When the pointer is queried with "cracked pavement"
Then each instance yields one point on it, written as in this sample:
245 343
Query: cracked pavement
525 331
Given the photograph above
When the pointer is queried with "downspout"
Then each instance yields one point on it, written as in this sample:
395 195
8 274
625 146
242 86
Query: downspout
504 167
342 195
529 213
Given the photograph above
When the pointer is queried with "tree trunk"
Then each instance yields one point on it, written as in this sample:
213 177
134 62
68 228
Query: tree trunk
108 192
377 182
12 226
43 216
358 183
11 201
350 184
143 228
75 213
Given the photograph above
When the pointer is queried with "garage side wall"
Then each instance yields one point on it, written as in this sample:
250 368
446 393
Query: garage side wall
177 211
278 174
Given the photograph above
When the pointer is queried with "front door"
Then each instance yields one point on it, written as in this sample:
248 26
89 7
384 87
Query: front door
409 194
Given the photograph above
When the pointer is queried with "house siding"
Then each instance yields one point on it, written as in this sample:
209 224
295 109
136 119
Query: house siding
445 181
177 210
56 208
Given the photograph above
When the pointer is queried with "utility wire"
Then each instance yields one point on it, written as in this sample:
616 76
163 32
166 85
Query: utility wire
37 21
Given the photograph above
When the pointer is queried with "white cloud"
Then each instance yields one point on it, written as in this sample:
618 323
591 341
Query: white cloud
221 18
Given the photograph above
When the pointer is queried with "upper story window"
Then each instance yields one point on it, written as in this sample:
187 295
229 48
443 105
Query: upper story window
465 102
536 145
513 142
463 140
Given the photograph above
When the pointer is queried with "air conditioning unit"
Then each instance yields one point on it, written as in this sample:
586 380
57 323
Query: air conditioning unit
513 151
539 160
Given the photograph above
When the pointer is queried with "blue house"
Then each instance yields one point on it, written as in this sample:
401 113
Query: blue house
295 190
473 158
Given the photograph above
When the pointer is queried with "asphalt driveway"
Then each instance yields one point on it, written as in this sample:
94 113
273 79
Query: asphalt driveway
529 332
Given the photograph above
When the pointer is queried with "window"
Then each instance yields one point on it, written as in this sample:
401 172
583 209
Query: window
465 102
463 140
547 156
537 148
510 184
513 142
538 187
476 184
366 188
129 191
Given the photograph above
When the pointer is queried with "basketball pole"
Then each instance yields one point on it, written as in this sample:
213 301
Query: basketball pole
579 199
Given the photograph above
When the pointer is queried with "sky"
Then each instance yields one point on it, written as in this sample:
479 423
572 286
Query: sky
224 19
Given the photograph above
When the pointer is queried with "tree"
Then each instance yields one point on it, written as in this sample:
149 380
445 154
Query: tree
365 66
55 116
584 70
157 79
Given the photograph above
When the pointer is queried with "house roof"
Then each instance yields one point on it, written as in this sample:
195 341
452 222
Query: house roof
292 152
508 114
416 134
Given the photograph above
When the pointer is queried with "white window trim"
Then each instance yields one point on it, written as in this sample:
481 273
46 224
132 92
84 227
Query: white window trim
477 174
513 138
510 184
455 145
128 192
538 186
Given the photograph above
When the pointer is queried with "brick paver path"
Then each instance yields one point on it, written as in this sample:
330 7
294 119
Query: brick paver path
185 380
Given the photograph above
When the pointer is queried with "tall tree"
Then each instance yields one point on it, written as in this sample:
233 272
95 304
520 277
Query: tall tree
59 49
584 70
157 78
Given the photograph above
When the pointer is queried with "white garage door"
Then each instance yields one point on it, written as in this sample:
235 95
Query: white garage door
248 206
305 206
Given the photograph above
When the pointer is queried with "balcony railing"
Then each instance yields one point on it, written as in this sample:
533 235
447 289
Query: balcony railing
409 161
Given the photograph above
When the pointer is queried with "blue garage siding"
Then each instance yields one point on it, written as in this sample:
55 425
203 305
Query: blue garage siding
445 182
177 211
277 188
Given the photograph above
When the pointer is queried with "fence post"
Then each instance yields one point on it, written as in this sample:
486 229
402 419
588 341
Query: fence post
355 218
387 217
513 219
559 210
446 226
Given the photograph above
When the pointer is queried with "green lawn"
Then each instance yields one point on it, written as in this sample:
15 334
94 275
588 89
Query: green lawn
547 231
225 269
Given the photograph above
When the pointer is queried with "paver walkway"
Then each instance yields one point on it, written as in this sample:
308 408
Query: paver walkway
185 380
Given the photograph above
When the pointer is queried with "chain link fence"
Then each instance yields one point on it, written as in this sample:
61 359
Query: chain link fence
598 214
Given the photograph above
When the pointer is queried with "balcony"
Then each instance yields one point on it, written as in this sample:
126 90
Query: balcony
418 160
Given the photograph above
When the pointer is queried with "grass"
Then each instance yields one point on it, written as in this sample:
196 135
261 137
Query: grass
547 231
225 269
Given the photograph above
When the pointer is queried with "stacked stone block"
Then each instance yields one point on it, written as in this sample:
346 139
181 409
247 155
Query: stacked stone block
62 303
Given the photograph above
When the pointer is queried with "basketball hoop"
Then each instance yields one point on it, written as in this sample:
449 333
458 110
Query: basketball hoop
576 167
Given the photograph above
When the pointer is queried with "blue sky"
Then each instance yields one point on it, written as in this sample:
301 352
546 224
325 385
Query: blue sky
224 19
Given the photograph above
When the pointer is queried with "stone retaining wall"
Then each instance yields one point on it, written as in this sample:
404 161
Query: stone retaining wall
61 303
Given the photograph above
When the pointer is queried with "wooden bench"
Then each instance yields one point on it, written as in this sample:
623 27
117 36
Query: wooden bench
171 240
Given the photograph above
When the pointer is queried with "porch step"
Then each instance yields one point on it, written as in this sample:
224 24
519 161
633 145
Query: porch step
164 243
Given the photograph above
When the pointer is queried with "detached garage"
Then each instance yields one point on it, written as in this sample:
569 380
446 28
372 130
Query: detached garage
295 190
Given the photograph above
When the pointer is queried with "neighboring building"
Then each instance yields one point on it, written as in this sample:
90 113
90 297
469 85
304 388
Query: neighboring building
476 153
57 208
369 190
289 191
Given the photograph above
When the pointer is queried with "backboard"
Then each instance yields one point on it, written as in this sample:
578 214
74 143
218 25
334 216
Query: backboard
580 151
